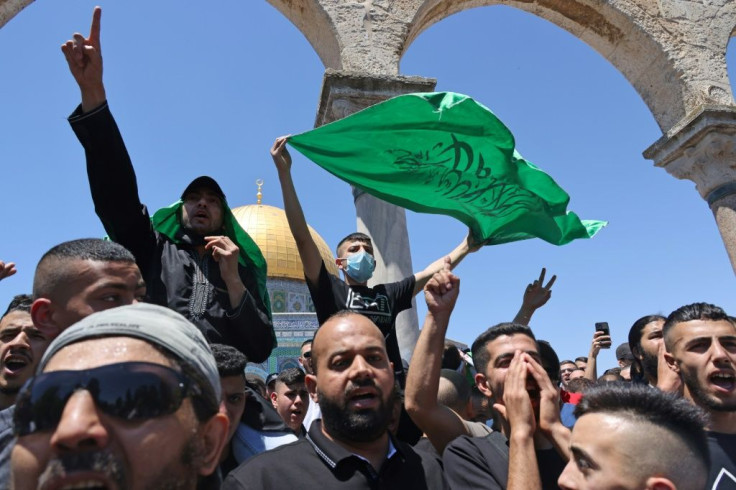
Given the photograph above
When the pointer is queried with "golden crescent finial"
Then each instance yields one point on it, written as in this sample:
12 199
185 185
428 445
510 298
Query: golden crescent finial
259 196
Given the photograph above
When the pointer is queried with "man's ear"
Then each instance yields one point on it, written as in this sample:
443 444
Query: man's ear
671 362
42 313
311 381
482 383
273 396
213 434
659 483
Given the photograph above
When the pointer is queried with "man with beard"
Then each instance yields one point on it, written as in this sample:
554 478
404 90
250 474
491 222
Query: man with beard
527 405
350 447
125 399
194 256
701 347
647 346
21 347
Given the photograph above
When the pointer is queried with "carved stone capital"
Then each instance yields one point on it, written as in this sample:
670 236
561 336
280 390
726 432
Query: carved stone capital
344 93
702 148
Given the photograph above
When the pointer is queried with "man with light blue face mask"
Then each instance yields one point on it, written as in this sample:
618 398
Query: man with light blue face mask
382 302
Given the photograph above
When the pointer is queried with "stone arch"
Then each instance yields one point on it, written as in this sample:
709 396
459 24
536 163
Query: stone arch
10 8
311 19
672 76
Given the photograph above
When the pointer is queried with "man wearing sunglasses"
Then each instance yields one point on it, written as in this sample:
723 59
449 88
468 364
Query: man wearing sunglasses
125 399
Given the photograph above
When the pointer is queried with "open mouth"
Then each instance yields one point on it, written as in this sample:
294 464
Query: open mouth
722 380
87 484
13 364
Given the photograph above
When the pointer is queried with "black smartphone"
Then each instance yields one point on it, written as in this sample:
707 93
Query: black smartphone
603 327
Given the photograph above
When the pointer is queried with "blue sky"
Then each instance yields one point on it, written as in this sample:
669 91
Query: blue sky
206 90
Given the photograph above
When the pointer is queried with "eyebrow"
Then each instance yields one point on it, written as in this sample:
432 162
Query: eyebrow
577 451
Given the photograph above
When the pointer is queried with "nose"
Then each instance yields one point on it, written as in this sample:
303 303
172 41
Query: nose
361 368
80 426
567 480
20 341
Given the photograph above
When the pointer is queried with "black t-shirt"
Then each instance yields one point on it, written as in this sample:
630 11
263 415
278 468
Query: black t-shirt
722 475
483 462
381 303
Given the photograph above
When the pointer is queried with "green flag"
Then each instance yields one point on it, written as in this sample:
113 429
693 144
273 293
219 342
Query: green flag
445 153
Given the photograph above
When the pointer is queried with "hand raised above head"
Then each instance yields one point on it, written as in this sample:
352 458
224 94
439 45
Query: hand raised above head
7 269
84 57
442 289
537 293
280 154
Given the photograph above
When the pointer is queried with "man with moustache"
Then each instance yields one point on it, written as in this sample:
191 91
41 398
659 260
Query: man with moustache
510 374
701 347
350 447
125 399
194 256
21 347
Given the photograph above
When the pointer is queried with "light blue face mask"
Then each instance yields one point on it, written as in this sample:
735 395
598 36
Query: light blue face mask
360 266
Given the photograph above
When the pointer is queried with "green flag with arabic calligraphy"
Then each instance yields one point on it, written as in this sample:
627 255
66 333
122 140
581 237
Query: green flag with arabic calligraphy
445 153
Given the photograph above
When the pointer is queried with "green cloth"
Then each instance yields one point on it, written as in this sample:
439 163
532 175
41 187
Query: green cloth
166 221
445 153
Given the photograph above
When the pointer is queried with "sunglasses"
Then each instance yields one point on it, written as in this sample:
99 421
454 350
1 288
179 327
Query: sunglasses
131 391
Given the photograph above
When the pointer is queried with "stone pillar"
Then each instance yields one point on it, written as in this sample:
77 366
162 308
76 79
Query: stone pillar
702 148
343 94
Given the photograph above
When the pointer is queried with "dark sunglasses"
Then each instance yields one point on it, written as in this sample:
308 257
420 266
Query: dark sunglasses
132 391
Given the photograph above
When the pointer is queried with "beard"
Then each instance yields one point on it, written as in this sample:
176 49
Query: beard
700 397
649 364
356 425
176 475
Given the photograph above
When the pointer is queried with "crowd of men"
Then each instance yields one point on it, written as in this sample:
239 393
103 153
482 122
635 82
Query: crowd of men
125 366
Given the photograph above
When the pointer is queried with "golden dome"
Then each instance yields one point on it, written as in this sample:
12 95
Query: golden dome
268 227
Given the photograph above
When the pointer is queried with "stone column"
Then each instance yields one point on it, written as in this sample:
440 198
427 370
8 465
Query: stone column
702 148
343 94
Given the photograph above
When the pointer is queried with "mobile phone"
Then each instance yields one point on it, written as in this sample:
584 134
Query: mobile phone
603 327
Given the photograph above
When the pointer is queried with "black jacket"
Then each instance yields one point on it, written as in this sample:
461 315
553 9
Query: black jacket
175 275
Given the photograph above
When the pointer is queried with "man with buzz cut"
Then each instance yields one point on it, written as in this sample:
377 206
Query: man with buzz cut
72 280
355 258
194 256
127 398
700 339
351 446
636 437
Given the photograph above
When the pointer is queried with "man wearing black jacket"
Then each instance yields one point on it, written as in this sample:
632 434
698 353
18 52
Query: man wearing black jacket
193 255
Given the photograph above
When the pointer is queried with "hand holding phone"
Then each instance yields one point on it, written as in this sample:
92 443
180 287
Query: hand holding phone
603 327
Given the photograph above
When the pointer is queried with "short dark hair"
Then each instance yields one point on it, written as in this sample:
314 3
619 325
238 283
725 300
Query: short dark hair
456 392
566 361
579 385
581 358
354 237
480 353
550 361
291 376
306 342
635 332
695 311
451 358
53 273
20 302
668 411
230 361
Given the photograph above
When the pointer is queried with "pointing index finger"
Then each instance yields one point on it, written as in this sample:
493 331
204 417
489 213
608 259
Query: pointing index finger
541 275
94 30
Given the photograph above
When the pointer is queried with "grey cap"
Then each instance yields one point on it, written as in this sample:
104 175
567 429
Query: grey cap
154 324
623 352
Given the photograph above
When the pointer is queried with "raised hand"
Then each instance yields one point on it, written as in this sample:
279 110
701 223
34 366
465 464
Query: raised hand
536 293
280 154
7 269
225 252
441 290
600 341
84 57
